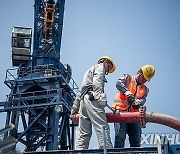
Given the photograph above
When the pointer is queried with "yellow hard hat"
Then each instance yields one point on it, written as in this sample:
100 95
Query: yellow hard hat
109 59
148 72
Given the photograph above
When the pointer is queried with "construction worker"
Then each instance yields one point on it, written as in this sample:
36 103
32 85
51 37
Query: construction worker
132 94
90 102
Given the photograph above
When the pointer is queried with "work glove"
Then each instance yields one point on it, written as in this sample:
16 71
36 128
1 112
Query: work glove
76 106
103 100
136 105
130 97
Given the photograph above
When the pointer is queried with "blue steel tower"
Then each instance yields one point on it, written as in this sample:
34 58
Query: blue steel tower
42 90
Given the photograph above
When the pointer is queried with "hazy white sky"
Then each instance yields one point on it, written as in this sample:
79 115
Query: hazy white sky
132 32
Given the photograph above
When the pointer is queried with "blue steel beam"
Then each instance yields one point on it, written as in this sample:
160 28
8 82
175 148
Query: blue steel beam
35 120
43 52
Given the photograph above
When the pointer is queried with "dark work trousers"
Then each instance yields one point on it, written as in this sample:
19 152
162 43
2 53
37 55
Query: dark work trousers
132 129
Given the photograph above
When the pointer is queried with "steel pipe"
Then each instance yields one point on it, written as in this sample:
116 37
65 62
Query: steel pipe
116 118
123 117
132 117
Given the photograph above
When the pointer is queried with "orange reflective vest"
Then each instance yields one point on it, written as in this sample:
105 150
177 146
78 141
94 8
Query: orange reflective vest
121 102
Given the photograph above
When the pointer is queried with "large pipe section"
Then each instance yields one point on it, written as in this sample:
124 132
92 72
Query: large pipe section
114 118
143 117
163 119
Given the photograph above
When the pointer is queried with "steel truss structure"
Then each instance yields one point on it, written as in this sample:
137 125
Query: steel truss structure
42 90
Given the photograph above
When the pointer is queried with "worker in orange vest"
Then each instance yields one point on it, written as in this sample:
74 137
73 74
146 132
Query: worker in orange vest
132 94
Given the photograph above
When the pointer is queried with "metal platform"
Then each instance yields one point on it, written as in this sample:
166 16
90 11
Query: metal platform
160 149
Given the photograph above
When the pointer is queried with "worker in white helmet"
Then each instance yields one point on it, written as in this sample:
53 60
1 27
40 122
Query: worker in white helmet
131 94
90 102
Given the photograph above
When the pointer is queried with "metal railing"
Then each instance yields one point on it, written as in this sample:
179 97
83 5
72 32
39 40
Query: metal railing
39 72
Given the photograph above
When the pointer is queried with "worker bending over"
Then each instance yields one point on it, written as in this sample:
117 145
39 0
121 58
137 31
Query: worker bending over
132 94
90 102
